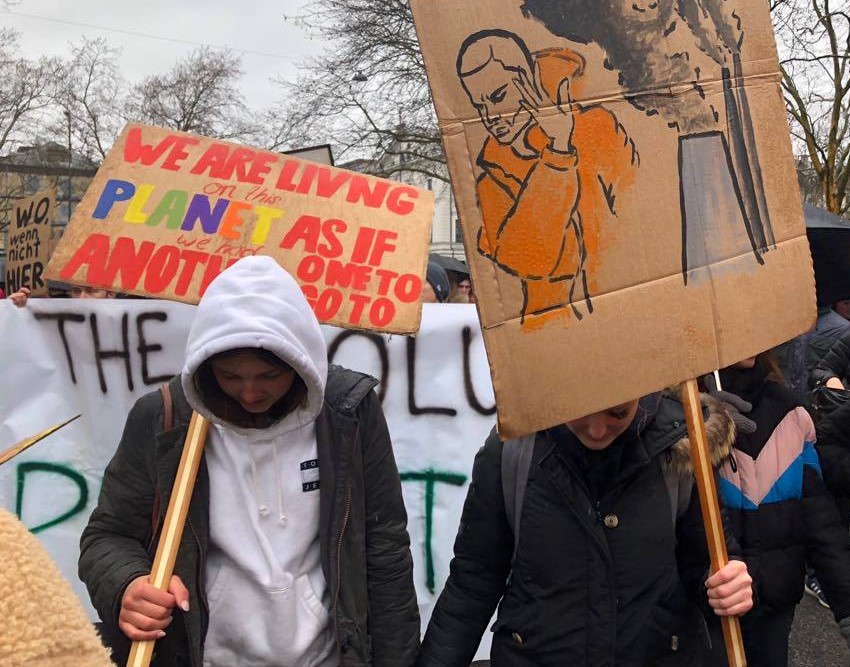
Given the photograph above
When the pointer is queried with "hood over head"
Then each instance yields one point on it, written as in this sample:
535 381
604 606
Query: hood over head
255 303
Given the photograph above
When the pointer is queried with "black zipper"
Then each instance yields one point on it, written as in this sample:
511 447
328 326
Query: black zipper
345 517
334 609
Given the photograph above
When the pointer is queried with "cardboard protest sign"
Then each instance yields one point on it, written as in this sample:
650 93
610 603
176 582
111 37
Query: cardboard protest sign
627 192
168 211
28 242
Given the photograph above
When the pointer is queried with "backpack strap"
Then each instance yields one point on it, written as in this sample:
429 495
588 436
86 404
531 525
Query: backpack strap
167 407
167 425
516 464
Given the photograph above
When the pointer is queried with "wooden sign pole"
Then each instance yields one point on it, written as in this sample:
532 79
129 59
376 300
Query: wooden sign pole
26 443
704 476
175 520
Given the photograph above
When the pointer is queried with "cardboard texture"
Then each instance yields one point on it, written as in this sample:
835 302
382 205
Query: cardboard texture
167 211
28 243
627 192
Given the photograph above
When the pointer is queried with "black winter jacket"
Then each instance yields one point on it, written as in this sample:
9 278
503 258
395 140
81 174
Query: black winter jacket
835 363
364 542
776 501
833 446
599 578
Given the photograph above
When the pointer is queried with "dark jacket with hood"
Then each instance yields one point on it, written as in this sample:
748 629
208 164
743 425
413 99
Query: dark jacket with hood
835 363
777 505
364 545
602 575
833 446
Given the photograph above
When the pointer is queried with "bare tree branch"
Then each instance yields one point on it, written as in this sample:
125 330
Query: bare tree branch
26 91
199 94
92 96
368 94
814 45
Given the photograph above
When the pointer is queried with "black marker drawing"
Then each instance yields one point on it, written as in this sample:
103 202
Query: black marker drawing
723 208
550 170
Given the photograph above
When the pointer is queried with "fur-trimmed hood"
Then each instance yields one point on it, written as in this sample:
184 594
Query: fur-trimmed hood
666 431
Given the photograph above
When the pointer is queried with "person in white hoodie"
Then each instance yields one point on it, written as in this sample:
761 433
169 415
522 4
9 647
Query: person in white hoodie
296 550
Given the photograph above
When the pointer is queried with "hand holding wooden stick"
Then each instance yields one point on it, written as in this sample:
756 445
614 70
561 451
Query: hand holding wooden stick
175 520
705 483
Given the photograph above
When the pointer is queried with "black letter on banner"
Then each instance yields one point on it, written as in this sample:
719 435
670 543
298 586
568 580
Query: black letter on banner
378 341
145 349
411 386
60 319
100 354
474 403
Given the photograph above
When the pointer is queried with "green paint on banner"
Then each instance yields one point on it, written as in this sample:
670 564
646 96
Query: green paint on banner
431 477
55 468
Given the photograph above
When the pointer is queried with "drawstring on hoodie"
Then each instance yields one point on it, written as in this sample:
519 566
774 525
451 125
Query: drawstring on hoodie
262 507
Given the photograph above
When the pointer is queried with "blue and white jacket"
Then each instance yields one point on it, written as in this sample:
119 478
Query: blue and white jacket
778 506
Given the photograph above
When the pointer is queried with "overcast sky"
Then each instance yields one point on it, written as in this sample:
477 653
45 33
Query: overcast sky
164 30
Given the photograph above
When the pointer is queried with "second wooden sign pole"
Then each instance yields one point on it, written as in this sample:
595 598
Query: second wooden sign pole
707 488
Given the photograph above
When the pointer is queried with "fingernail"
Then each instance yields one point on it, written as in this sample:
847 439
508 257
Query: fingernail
160 634
184 605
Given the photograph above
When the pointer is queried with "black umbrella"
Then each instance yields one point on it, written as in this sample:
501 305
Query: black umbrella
829 240
449 263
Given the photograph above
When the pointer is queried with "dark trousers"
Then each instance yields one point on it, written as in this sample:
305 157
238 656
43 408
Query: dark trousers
765 640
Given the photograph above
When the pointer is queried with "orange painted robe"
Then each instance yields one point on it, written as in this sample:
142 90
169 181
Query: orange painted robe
543 213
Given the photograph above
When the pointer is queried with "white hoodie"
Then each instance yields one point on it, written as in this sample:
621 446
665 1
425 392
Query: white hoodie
268 598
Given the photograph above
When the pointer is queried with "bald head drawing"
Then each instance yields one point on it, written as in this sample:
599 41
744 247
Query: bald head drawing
491 65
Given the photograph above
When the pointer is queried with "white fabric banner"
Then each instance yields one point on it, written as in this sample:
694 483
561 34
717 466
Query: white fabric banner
96 357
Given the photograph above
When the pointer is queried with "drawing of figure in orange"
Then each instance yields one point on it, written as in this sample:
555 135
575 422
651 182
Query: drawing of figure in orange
550 169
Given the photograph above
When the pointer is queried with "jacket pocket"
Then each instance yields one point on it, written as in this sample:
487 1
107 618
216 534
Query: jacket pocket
672 631
217 591
304 591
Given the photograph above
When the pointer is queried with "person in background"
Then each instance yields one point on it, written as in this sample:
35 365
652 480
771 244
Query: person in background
780 511
296 549
21 297
833 370
829 381
464 290
830 327
437 287
83 292
833 446
842 308
604 562
799 357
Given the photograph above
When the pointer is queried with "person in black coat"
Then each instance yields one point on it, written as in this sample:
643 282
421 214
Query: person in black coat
611 552
834 368
833 446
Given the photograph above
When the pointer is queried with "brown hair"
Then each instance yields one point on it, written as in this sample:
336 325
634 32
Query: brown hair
229 410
